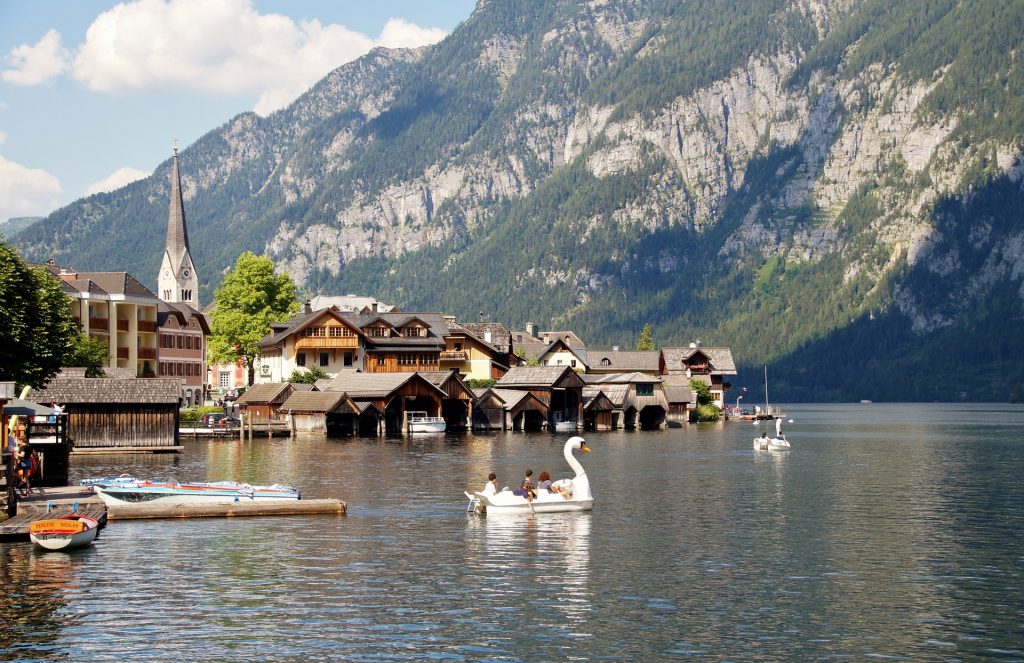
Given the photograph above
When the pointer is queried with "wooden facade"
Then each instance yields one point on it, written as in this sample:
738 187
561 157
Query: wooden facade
110 414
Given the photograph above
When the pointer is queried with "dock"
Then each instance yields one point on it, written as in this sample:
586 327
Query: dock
47 503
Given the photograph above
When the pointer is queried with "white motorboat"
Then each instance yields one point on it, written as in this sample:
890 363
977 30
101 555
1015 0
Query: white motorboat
64 533
419 422
125 490
777 443
577 488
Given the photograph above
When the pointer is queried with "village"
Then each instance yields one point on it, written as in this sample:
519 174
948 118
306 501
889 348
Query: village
381 369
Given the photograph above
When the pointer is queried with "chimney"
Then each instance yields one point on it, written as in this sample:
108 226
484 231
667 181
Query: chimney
308 308
67 275
531 329
449 320
487 336
615 348
373 307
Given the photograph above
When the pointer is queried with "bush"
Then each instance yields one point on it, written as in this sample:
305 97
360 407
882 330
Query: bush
708 412
195 414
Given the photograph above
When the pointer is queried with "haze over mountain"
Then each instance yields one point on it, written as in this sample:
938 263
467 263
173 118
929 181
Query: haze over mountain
833 187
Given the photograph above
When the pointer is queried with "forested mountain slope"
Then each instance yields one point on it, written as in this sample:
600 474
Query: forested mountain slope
830 186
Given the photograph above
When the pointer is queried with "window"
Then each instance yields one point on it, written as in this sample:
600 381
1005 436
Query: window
300 359
348 359
188 342
335 332
645 390
181 343
458 347
224 380
378 332
572 363
325 359
380 360
414 332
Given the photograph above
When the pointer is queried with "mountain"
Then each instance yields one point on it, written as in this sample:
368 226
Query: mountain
16 224
831 187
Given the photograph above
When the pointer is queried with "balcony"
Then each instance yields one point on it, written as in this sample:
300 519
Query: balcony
122 325
454 355
147 326
147 353
122 353
99 324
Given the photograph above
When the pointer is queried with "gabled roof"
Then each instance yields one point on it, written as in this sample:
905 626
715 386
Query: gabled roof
370 385
623 361
117 283
349 303
539 376
282 330
319 401
595 399
720 359
512 399
616 393
634 377
107 390
266 392
442 379
678 393
183 312
500 338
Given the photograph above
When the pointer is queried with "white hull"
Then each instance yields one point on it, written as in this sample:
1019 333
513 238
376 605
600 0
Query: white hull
66 541
506 502
565 426
222 492
771 444
428 427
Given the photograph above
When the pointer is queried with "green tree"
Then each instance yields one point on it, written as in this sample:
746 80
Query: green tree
309 375
706 410
251 297
646 341
37 331
533 361
90 352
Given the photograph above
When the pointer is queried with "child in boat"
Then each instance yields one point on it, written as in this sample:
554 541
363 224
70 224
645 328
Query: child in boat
491 487
526 489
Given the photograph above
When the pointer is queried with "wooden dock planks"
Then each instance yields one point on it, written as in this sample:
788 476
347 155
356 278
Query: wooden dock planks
233 509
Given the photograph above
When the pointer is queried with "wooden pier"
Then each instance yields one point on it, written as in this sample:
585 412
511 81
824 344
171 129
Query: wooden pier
47 503
63 501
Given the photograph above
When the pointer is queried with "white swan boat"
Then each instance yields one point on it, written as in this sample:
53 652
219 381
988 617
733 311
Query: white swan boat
65 533
777 443
546 501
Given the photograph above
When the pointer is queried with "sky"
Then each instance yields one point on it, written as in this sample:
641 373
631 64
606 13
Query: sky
94 93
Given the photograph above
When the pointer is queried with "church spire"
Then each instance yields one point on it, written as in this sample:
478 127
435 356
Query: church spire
177 281
177 234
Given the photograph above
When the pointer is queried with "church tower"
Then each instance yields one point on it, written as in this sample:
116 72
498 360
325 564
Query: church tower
177 282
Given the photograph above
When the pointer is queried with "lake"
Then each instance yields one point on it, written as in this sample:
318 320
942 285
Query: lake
889 531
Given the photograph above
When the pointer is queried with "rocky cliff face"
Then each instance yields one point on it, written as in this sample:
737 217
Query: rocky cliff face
789 166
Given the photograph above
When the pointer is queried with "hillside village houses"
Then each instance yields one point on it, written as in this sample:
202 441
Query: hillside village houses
422 360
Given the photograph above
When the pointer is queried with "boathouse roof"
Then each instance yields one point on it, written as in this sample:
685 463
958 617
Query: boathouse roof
646 361
539 376
720 359
319 402
106 390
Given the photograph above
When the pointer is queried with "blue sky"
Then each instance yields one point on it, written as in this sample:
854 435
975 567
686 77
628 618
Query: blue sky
93 93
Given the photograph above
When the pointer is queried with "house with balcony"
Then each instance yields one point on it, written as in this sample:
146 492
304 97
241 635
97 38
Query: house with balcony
638 399
710 365
340 342
478 351
550 348
117 309
604 362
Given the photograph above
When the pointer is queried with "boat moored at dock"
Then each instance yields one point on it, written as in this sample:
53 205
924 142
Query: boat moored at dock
64 533
127 490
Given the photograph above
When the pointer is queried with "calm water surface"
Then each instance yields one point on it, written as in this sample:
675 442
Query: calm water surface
889 531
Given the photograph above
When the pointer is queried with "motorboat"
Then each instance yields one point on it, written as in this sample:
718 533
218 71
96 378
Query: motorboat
420 422
777 443
64 533
577 489
128 490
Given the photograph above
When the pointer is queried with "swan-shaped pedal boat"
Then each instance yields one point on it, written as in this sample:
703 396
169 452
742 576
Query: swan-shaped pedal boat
777 443
546 501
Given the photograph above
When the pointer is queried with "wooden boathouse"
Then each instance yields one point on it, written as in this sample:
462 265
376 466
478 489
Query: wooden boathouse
123 415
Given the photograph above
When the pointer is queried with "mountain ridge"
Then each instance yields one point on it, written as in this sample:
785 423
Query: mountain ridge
763 175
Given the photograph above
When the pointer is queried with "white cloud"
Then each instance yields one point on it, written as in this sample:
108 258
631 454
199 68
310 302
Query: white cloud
26 191
224 47
3 105
116 180
3 137
33 65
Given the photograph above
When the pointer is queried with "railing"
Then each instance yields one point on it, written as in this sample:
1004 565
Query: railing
146 326
453 355
101 324
122 324
147 353
122 353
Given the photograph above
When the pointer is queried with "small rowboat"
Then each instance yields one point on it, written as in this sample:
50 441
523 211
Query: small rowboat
64 533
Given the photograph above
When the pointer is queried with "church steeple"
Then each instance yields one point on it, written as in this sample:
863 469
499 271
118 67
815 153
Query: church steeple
177 282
